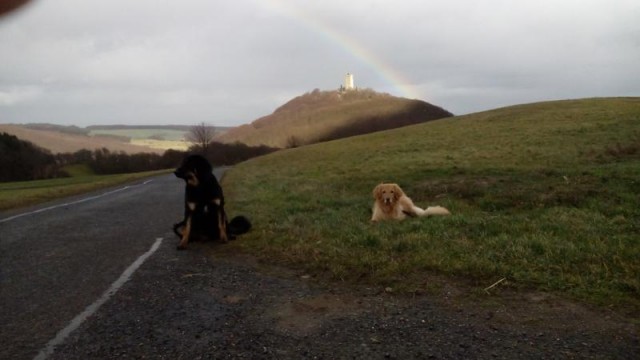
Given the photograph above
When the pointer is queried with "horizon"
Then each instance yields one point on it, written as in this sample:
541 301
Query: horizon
80 63
153 125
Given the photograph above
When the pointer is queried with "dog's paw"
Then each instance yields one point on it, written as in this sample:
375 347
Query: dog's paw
181 247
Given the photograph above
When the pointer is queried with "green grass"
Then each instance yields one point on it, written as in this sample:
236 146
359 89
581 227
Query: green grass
24 193
545 195
77 170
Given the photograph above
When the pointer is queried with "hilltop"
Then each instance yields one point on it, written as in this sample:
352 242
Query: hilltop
327 115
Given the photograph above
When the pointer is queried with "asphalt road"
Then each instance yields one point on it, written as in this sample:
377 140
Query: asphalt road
57 262
98 277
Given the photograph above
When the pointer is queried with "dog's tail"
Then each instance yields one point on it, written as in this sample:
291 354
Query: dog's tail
435 210
238 225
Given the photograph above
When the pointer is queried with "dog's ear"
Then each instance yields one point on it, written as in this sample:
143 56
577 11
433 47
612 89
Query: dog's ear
377 191
397 191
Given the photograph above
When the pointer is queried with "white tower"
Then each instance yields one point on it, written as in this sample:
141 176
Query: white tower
348 82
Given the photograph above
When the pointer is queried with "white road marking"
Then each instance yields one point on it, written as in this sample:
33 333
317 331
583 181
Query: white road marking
71 203
91 309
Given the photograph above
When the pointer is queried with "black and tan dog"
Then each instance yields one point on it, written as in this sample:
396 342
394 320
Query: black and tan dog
204 214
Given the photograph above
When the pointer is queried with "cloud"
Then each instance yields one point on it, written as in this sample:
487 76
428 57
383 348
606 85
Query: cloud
228 63
15 95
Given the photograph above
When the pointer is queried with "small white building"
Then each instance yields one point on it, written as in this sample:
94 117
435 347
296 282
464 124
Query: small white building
348 82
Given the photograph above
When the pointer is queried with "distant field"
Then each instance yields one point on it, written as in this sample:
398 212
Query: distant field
129 140
157 134
162 139
544 195
162 144
59 142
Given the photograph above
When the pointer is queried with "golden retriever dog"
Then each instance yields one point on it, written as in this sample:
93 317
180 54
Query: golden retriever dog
391 203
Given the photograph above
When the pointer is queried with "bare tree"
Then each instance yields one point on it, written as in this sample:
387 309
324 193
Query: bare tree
201 135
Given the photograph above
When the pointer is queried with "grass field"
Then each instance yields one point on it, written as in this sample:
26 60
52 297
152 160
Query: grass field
162 139
545 195
164 134
163 144
24 193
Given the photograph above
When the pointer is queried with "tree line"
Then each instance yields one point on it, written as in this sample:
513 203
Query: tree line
22 160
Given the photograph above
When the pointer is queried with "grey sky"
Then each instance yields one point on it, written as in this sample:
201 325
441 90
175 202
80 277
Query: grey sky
227 63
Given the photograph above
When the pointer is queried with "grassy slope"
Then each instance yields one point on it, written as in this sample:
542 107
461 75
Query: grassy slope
24 193
544 194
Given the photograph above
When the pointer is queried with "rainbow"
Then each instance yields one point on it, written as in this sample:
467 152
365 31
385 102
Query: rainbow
394 78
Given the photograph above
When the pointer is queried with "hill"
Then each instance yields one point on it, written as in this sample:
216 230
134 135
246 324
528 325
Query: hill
326 115
544 196
71 139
